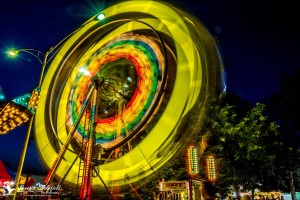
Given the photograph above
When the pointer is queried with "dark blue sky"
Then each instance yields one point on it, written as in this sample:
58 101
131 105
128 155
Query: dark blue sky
257 41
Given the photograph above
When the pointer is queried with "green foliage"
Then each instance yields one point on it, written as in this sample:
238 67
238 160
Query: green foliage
243 142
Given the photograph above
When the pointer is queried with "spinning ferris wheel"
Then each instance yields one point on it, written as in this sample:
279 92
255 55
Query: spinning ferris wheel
123 94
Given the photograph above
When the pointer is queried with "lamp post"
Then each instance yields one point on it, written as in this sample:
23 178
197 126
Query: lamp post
37 55
43 60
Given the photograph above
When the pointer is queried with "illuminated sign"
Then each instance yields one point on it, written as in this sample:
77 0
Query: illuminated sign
211 170
34 99
173 185
12 116
193 155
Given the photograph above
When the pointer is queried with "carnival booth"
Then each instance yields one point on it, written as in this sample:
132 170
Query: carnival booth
181 190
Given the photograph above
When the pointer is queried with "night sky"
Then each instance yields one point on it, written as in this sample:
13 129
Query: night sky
257 41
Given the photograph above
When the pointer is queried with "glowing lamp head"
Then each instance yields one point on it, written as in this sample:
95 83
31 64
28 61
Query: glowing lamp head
100 17
13 53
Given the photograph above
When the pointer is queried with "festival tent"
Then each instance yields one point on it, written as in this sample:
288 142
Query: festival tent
4 176
11 173
7 175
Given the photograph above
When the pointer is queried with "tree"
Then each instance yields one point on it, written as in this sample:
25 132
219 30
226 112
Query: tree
284 107
241 144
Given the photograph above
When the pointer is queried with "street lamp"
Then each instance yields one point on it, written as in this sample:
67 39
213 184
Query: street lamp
37 54
33 102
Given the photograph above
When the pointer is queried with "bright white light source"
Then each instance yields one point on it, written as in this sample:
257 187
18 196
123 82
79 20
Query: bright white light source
84 71
100 16
129 79
12 52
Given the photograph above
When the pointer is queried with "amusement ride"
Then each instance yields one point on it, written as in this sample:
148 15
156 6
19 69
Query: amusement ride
118 97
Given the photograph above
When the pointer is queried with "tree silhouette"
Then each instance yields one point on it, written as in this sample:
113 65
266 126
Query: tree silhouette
284 108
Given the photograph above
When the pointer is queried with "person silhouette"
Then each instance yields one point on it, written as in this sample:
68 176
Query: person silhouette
261 197
272 197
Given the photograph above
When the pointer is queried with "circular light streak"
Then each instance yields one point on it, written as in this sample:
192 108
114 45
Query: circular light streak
130 67
158 67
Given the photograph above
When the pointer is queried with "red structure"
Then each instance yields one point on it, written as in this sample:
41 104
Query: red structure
4 176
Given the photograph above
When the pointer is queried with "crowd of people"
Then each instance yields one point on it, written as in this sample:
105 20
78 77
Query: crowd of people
258 196
271 197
